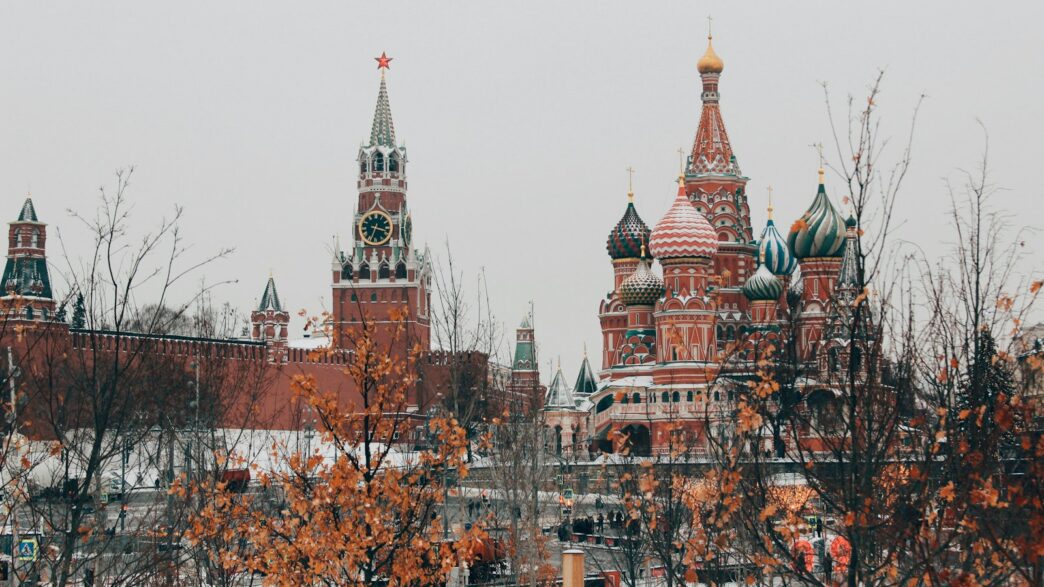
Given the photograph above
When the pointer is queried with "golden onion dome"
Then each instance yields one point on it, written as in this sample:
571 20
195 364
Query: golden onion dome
710 62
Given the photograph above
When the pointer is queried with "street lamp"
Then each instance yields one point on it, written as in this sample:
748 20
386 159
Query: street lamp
433 442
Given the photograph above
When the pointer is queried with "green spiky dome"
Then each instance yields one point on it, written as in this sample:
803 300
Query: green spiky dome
642 288
628 236
763 286
821 231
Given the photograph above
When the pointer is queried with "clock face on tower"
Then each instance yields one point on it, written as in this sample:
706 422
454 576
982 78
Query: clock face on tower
375 228
407 230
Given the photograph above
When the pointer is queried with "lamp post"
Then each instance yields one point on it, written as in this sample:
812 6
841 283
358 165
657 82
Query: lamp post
433 440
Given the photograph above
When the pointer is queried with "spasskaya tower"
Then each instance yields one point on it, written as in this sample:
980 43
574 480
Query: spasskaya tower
381 272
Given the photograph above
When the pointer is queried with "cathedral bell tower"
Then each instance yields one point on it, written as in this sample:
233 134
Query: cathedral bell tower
381 273
717 188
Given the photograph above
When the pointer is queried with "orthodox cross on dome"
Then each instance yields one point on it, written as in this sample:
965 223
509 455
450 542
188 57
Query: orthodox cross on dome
819 150
769 188
383 62
630 184
710 22
681 159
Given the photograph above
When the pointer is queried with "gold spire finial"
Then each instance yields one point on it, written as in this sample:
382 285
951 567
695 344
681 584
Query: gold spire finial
585 350
681 180
710 62
630 184
770 208
822 176
643 251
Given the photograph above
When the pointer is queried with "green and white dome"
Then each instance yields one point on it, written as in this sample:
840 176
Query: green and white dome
820 232
763 285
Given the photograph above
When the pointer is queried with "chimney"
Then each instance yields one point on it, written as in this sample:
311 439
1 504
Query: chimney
573 568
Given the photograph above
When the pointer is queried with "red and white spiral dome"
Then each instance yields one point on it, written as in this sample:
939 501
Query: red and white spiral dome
683 231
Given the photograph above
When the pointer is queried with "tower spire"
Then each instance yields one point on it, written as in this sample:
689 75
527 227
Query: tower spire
383 130
711 151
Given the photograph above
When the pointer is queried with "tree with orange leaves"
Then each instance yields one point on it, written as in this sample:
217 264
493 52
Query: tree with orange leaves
356 509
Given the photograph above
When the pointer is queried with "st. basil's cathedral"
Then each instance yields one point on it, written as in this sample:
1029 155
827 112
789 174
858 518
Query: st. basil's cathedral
677 350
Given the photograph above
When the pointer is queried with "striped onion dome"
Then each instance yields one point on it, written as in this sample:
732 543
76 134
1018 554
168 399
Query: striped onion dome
763 285
774 250
629 234
683 231
643 287
820 232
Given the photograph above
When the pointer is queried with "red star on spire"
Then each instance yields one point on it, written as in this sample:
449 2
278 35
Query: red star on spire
383 62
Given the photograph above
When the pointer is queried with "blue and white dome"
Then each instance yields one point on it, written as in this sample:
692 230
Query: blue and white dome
774 251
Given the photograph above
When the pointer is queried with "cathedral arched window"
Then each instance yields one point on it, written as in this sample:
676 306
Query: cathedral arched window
636 398
400 270
346 271
393 163
857 359
15 236
378 162
36 237
720 331
665 397
362 167
373 296
383 272
834 360
676 397
364 271
688 396
730 333
28 313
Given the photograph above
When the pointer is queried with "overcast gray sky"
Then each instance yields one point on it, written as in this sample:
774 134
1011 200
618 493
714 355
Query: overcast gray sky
520 119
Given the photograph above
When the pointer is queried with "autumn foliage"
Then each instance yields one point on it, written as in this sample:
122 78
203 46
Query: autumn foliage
356 508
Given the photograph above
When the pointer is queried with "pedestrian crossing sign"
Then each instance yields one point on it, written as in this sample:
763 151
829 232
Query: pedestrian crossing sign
28 549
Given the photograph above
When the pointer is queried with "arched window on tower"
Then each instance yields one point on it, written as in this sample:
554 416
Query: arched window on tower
400 270
393 163
378 162
730 333
15 236
362 166
36 238
364 271
383 271
833 360
346 271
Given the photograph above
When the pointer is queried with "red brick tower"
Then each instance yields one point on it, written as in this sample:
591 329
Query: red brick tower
717 188
686 342
525 393
270 323
26 282
627 243
818 241
381 272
